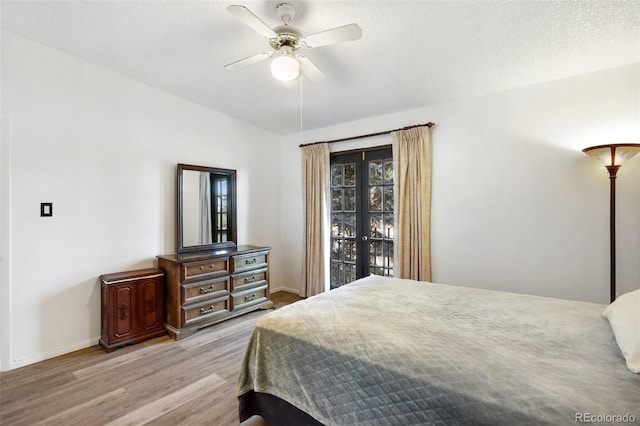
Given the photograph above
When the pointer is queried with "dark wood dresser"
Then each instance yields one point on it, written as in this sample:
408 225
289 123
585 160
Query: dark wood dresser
206 287
132 307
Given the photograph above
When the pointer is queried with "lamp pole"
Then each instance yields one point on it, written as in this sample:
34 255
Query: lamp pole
613 171
612 156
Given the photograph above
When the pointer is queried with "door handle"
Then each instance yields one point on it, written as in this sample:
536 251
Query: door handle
365 237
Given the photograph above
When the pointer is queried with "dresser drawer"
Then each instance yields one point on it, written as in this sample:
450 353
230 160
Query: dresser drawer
247 262
250 297
214 267
206 310
205 289
249 279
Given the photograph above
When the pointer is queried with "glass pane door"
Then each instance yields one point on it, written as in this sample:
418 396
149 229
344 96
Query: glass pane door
344 201
361 215
380 214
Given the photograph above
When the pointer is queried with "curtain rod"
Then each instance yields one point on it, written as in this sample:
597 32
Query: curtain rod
386 132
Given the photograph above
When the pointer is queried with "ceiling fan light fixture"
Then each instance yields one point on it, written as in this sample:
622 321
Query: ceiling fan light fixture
285 66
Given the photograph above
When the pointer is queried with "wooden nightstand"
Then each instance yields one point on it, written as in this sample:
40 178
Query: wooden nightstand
132 307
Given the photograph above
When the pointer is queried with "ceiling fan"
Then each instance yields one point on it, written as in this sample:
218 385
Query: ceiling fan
285 40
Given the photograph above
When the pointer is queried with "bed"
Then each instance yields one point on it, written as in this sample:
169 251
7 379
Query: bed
387 351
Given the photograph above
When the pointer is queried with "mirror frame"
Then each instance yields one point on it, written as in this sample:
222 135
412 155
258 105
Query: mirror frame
179 216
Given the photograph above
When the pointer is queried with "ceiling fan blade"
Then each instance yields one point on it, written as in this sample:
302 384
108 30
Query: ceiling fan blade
336 35
309 69
246 16
249 61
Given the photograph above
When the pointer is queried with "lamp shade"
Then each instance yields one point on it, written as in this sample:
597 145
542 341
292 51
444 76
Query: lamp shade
285 67
613 154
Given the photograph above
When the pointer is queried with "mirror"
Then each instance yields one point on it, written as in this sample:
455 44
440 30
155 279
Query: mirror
206 208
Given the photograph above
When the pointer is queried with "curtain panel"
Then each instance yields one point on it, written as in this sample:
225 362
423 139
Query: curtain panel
412 188
315 181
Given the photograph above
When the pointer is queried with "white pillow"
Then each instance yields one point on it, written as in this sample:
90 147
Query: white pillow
624 316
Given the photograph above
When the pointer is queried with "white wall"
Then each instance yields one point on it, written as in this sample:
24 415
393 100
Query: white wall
103 149
516 205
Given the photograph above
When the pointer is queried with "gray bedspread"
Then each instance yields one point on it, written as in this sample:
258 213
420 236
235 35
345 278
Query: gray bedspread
385 351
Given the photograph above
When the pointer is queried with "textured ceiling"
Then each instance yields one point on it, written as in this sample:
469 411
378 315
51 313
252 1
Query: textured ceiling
411 54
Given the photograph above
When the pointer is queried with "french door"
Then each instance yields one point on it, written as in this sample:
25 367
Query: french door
361 215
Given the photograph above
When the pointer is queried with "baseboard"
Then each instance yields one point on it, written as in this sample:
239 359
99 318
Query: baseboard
287 289
17 363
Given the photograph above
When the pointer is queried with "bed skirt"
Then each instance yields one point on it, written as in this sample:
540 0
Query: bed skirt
274 410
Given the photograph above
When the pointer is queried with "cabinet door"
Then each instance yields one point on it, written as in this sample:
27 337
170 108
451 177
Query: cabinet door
122 300
151 304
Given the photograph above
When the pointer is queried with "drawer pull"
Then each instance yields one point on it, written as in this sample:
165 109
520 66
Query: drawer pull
206 311
204 290
249 298
250 262
250 280
202 268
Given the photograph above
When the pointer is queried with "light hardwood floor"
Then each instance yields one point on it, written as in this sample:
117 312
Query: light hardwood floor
159 381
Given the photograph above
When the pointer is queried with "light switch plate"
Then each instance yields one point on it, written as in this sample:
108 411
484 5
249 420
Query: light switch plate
46 209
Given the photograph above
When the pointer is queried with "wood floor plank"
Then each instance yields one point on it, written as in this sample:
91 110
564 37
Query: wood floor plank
74 413
208 409
152 411
115 363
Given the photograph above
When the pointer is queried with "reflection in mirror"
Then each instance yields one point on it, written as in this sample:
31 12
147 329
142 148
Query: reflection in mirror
206 213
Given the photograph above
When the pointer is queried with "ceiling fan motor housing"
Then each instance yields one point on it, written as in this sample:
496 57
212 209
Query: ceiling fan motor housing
287 36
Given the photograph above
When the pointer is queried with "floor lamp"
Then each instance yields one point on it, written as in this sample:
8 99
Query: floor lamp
612 156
